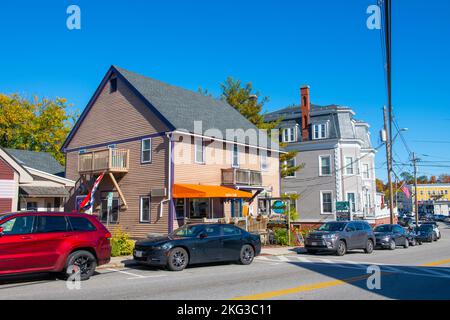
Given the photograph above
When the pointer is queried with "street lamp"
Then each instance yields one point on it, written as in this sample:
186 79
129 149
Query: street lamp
398 133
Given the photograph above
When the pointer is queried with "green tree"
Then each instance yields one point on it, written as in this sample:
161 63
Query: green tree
35 125
246 100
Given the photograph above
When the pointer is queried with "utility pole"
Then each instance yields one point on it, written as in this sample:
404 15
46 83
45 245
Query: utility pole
389 166
416 198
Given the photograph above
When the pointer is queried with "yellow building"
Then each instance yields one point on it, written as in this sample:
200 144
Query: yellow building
433 192
432 198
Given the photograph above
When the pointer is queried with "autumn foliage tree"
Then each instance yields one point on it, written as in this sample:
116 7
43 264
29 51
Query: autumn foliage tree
35 125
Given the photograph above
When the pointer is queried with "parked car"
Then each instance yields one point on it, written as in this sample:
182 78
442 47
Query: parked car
435 228
340 236
439 217
408 222
200 243
412 237
52 242
425 233
390 236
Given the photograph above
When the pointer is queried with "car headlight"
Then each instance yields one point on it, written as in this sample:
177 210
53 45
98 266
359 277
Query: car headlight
162 247
330 236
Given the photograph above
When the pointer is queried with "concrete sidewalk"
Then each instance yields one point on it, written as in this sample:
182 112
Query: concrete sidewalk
121 262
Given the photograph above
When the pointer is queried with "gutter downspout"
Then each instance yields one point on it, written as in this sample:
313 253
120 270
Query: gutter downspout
170 180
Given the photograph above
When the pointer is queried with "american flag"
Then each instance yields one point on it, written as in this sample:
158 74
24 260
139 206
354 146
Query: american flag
405 190
88 202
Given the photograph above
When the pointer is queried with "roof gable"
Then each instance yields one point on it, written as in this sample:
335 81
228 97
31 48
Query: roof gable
41 161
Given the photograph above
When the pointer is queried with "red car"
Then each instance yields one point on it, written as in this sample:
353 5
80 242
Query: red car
52 242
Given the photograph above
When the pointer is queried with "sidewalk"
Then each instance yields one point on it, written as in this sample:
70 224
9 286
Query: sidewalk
121 262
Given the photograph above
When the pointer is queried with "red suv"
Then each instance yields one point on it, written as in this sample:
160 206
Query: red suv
52 242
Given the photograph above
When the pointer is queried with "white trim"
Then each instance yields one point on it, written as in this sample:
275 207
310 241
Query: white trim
295 173
349 166
356 203
150 149
333 211
226 141
320 166
149 209
50 176
320 123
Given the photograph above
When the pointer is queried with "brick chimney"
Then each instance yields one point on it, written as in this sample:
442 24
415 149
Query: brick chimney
306 112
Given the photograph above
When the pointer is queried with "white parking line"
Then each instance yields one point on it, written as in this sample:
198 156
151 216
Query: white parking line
434 272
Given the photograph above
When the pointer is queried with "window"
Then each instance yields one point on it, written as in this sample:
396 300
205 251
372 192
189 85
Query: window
349 165
109 215
144 209
81 224
229 230
179 208
212 231
264 161
327 202
289 134
17 226
290 164
235 156
198 208
199 150
146 150
320 131
352 200
113 85
32 206
366 171
47 224
325 166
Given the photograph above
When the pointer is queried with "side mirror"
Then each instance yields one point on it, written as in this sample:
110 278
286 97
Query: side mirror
203 235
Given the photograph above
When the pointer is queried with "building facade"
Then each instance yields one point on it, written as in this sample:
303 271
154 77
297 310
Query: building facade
31 181
166 157
337 157
432 198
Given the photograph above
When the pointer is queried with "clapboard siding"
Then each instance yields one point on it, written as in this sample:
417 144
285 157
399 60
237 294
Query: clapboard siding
5 205
6 171
115 117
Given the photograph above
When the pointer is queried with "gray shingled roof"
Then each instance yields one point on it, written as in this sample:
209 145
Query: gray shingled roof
44 191
42 161
182 107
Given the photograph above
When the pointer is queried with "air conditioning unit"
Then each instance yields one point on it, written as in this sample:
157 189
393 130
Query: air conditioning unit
159 192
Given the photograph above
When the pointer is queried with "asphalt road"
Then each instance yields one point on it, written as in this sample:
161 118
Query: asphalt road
421 272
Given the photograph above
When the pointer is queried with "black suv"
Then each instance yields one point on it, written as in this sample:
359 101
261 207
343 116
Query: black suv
340 236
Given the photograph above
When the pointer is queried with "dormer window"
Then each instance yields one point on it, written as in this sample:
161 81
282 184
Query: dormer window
320 131
289 134
113 85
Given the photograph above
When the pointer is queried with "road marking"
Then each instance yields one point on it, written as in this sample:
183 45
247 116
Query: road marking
299 289
128 273
434 272
303 259
436 263
283 258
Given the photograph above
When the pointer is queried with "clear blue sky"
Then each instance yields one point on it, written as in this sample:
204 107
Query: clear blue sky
277 45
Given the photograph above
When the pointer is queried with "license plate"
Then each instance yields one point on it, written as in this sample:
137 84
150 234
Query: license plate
314 243
138 254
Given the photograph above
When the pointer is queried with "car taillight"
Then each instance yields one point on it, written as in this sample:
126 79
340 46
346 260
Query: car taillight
108 235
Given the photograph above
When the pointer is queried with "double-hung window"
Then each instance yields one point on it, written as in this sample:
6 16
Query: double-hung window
146 150
366 172
264 161
325 166
289 134
320 131
349 166
235 156
290 164
144 212
326 198
199 151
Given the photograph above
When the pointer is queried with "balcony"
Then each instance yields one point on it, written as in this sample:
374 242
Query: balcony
242 177
108 160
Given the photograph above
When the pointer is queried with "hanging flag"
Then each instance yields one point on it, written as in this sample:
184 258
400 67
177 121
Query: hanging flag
88 203
405 190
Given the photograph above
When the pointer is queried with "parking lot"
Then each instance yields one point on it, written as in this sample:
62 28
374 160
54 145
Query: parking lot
421 272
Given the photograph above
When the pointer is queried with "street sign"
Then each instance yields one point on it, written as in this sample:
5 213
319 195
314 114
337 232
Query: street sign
342 206
279 207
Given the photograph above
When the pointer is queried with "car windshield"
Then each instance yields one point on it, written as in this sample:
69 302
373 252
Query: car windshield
426 227
385 228
336 226
190 231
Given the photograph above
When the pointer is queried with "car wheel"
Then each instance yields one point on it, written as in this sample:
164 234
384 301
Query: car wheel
177 259
247 254
406 245
392 245
435 238
413 243
341 248
80 264
369 247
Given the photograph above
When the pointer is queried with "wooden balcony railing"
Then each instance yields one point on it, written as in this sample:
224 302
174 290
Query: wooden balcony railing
107 160
244 177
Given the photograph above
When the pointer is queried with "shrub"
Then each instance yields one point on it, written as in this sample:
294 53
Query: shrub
121 245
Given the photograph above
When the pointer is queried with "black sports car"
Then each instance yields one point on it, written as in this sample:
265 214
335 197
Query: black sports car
199 243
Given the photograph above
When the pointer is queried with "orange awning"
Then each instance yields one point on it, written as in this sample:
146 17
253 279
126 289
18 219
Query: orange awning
202 191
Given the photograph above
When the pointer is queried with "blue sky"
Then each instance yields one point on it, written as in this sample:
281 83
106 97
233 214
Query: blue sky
277 45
